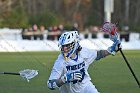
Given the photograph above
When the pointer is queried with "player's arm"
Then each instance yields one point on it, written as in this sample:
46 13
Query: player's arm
102 54
110 51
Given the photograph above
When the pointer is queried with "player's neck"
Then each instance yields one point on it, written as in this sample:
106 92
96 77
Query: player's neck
74 56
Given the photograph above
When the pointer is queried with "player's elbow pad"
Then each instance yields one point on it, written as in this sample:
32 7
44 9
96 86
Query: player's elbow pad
52 84
100 54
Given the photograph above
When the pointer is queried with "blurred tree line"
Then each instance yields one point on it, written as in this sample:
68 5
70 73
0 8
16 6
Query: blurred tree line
24 13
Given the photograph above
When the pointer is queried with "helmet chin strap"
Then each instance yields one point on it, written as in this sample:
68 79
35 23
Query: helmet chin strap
66 58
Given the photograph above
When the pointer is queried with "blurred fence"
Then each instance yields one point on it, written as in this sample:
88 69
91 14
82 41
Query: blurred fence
13 40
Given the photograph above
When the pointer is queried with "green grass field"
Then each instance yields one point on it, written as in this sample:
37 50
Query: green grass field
109 75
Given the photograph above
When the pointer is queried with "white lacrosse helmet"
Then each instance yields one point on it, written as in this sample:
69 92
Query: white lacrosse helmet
71 41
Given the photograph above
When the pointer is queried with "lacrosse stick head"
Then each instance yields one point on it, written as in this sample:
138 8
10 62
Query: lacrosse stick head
28 74
111 29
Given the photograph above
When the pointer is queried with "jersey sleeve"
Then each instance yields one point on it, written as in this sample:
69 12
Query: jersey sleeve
89 55
57 69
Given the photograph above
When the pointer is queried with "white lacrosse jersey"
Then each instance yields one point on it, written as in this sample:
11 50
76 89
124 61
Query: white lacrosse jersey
85 58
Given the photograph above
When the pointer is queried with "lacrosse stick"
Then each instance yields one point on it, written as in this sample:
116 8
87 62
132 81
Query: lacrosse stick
111 30
26 74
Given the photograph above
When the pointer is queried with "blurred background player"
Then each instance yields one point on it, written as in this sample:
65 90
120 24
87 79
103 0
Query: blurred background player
75 27
70 70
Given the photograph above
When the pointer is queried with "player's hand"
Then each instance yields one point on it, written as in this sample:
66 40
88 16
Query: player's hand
115 47
69 77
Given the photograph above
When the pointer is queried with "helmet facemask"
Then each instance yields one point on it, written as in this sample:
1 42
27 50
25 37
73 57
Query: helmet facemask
69 44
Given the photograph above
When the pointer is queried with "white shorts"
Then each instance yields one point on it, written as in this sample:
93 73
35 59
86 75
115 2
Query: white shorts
90 88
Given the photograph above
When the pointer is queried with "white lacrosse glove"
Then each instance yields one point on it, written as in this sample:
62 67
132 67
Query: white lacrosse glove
115 47
70 77
52 84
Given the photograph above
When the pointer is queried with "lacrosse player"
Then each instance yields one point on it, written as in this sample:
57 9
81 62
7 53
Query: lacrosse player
70 70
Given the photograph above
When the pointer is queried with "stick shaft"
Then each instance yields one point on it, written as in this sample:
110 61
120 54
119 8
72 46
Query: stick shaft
10 73
130 68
